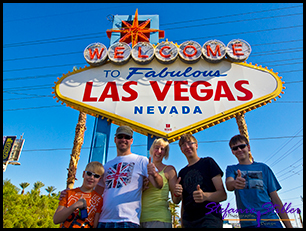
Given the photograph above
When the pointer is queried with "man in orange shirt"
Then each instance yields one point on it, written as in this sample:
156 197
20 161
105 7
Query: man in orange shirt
78 201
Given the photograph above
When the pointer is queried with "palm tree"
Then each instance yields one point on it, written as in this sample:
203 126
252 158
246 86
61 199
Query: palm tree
50 189
38 185
23 186
174 214
77 145
243 129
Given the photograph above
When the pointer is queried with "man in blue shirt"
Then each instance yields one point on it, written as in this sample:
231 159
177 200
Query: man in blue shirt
255 188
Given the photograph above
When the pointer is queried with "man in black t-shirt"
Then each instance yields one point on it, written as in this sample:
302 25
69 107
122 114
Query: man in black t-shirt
199 184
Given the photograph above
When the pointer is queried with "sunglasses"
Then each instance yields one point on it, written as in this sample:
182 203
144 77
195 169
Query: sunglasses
241 146
124 136
90 173
187 143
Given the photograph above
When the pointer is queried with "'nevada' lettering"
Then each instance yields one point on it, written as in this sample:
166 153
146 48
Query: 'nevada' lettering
162 110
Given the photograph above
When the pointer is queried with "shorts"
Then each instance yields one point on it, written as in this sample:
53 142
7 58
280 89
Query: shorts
117 225
155 224
208 221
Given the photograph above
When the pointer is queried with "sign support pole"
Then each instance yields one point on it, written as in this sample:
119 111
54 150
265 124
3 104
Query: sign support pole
100 140
77 146
76 150
243 129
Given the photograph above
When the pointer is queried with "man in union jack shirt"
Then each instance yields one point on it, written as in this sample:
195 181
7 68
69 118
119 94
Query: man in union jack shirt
119 175
122 183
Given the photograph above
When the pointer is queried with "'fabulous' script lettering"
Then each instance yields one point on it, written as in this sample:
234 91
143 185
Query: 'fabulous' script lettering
188 72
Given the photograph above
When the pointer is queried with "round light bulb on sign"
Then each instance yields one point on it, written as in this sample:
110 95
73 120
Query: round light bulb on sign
95 54
190 51
214 51
166 52
143 52
119 53
238 50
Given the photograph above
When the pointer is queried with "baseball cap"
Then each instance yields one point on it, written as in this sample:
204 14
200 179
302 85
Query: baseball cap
126 130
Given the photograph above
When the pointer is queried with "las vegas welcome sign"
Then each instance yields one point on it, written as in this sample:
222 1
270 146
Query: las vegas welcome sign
168 89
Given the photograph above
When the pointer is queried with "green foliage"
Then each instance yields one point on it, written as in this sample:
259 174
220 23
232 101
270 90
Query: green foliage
31 210
38 185
23 186
50 189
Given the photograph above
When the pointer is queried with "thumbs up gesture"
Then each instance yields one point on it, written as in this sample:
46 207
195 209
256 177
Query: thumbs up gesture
81 203
178 188
199 195
240 181
151 168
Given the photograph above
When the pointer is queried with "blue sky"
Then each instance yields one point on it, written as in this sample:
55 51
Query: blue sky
43 41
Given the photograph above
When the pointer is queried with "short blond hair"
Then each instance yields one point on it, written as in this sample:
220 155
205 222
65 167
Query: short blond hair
95 167
164 143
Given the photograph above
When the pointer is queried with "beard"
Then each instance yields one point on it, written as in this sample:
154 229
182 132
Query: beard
122 147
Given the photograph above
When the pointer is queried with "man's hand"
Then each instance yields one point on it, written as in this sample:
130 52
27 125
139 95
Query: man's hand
63 194
240 181
199 195
145 184
178 191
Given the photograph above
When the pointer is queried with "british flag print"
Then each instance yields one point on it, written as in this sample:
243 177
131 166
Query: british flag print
119 175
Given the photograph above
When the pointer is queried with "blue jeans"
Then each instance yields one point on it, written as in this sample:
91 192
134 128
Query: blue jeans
117 225
208 221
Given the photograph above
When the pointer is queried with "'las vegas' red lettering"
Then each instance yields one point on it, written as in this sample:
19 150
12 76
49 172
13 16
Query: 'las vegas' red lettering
87 93
194 94
113 92
178 91
248 94
198 90
222 85
133 93
110 91
160 94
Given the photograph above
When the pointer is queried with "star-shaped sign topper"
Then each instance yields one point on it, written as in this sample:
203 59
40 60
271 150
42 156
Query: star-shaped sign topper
135 32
